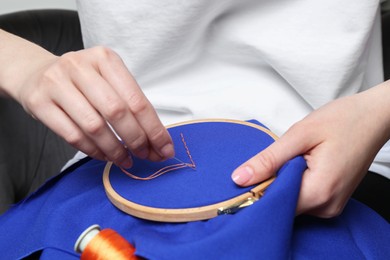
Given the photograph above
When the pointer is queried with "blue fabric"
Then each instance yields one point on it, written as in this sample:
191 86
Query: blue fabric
216 148
53 218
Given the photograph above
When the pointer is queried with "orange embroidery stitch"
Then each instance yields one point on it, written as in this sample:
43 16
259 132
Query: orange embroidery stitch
168 168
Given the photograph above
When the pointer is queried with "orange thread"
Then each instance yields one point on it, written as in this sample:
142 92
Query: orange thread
168 168
108 244
192 165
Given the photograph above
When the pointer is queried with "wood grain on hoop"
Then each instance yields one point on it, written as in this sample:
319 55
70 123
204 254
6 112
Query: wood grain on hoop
183 214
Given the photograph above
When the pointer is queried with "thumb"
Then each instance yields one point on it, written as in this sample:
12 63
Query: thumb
266 163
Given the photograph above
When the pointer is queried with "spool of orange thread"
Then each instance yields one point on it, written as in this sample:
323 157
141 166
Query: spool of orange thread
98 244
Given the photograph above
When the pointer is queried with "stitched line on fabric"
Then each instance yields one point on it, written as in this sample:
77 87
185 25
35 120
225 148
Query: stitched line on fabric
168 168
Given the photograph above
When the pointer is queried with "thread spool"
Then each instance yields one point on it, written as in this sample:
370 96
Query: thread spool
97 244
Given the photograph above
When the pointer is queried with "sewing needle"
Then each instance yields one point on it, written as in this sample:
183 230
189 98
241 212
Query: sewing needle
190 165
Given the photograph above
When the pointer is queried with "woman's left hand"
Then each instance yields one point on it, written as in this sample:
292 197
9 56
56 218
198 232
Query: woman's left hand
338 141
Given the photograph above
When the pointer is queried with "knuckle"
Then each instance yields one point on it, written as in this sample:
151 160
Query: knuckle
70 61
337 209
32 102
51 76
325 199
332 211
75 138
117 155
104 52
93 125
157 134
267 161
138 104
322 197
305 128
137 143
115 110
96 153
331 207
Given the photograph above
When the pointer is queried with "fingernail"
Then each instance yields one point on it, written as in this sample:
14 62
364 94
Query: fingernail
242 175
126 163
167 151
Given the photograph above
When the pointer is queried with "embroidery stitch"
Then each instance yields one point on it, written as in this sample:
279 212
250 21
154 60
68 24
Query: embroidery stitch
168 168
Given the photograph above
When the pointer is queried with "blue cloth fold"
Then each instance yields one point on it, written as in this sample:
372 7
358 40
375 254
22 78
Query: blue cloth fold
52 218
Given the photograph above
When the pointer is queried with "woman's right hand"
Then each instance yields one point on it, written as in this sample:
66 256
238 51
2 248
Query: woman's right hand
82 94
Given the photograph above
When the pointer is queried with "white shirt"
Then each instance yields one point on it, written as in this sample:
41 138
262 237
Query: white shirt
274 61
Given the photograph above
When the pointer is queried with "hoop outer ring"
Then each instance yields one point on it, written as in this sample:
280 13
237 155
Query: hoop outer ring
188 214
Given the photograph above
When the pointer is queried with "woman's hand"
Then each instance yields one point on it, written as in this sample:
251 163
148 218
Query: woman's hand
338 141
86 97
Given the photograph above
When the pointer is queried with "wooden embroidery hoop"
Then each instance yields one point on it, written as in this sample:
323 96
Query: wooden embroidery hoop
189 214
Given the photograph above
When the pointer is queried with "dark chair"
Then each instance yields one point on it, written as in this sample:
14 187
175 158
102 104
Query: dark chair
59 32
386 43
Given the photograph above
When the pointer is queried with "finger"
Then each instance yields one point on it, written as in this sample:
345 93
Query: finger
116 73
91 124
113 109
308 194
61 124
323 192
321 195
267 162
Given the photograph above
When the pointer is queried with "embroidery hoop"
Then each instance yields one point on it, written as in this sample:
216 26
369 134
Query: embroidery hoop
195 213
